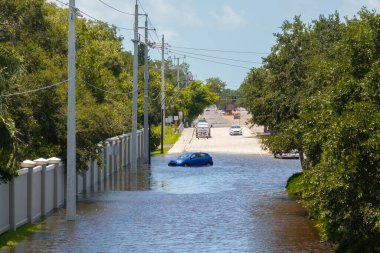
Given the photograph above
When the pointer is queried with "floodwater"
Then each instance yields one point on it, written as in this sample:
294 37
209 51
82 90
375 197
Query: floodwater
237 205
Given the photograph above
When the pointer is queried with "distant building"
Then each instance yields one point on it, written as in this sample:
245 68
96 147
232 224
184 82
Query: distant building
229 108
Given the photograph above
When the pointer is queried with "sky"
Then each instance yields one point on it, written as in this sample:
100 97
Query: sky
226 25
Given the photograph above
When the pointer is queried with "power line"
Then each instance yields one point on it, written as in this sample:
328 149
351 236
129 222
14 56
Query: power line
98 20
93 18
127 13
218 50
110 92
33 90
215 57
141 7
202 59
176 94
149 20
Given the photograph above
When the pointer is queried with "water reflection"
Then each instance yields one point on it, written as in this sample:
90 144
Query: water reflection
238 205
126 180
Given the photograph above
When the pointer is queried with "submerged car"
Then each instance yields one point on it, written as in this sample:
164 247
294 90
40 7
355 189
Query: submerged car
292 154
192 159
236 130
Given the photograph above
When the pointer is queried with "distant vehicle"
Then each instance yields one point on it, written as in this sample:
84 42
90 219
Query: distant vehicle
236 130
292 154
202 129
236 115
192 159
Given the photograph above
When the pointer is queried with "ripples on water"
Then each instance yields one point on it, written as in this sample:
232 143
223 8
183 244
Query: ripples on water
237 205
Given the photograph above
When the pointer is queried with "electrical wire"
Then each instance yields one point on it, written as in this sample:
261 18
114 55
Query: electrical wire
175 95
93 18
141 6
215 57
33 90
149 21
127 13
98 20
222 63
223 51
110 92
106 91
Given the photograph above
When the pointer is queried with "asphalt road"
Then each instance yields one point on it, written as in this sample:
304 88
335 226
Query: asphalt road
221 141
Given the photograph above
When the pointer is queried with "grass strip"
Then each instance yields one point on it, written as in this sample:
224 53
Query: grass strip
11 238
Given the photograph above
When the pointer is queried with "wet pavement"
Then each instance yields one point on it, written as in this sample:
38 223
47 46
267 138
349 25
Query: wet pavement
237 205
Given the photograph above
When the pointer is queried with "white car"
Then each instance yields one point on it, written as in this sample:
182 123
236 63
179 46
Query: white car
292 154
236 130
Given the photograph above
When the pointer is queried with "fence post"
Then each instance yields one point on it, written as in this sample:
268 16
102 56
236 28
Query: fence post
115 154
30 165
128 149
43 162
141 143
120 155
110 158
92 176
55 161
105 159
125 151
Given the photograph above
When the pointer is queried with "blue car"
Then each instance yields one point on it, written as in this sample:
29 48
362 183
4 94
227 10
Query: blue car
192 159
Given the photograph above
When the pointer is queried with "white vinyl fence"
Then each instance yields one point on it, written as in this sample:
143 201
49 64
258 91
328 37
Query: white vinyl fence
40 189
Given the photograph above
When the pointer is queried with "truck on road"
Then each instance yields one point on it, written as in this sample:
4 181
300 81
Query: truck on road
202 130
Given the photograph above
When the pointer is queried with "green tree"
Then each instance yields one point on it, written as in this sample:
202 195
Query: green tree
318 90
215 85
195 98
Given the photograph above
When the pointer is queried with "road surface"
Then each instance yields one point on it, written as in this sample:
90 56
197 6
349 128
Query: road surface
221 141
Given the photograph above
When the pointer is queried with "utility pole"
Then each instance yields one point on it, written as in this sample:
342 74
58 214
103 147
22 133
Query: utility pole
163 95
146 96
71 131
178 73
135 93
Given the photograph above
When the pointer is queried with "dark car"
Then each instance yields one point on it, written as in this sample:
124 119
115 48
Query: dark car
192 159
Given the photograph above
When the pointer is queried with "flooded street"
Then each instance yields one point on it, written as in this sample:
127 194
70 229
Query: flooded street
237 205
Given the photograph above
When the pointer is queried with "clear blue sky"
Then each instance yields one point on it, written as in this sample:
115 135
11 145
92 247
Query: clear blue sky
243 25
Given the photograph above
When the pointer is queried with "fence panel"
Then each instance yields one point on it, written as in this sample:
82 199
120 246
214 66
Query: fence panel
36 193
49 189
14 203
4 208
21 198
61 185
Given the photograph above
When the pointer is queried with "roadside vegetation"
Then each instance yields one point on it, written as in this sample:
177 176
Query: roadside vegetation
318 91
33 54
11 238
171 137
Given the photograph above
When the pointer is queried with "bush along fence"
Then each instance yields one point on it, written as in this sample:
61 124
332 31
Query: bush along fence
40 187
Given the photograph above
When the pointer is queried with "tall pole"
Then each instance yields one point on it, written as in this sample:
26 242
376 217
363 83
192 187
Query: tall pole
146 96
163 95
178 73
134 97
71 132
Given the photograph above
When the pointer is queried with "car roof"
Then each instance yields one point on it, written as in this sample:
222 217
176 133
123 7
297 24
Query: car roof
190 153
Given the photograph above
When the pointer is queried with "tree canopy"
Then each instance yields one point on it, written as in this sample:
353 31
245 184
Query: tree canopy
318 91
33 54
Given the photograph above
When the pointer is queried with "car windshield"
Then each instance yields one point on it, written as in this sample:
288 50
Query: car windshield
235 127
184 156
